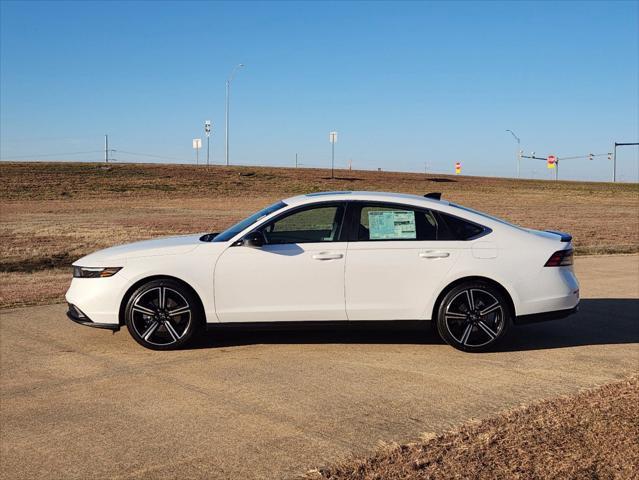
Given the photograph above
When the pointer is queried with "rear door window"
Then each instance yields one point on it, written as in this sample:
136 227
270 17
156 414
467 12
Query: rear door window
385 222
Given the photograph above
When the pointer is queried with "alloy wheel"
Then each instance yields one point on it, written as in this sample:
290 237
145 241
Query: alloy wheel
161 316
474 318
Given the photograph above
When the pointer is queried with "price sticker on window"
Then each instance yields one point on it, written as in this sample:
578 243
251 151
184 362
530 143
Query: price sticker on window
391 225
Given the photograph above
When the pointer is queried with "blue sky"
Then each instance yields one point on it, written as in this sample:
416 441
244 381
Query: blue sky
404 84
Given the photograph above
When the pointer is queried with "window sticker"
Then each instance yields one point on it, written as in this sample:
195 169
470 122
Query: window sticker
391 225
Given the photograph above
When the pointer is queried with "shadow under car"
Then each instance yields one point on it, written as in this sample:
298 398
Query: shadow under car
599 322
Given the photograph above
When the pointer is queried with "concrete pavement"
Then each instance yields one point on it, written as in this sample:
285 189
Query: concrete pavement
82 403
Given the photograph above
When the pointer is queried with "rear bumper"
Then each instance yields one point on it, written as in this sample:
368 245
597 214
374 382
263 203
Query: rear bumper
545 316
552 289
77 316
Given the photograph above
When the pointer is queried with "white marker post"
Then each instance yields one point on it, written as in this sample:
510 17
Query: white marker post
197 144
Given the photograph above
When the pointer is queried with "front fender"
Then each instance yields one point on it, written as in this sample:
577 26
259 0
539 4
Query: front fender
195 269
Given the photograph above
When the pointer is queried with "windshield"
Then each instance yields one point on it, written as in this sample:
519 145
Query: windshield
485 215
229 233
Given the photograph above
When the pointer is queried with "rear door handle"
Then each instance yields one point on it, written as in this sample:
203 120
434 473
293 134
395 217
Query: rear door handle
434 254
327 256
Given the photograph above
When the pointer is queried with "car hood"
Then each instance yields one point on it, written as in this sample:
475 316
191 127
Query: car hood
147 248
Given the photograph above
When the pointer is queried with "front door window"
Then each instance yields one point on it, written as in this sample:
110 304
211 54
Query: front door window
312 225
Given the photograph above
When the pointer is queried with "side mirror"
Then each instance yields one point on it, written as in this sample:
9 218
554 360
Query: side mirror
253 240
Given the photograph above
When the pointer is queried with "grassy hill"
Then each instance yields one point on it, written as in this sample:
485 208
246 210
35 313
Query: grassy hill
53 213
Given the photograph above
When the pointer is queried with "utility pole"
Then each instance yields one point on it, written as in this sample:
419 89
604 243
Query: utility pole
296 160
614 164
107 151
228 94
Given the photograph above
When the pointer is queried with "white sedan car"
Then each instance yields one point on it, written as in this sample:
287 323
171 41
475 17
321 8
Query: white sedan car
342 257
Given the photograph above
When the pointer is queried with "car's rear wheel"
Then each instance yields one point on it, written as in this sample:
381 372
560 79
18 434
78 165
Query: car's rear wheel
474 317
163 315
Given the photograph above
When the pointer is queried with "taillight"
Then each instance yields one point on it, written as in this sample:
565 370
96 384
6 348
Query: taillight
561 258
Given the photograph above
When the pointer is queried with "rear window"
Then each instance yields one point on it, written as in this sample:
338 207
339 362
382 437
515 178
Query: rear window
485 215
455 228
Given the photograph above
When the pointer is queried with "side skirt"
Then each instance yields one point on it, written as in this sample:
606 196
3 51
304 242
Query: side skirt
346 324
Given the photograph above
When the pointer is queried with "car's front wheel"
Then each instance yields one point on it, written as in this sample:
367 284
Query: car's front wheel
163 315
474 317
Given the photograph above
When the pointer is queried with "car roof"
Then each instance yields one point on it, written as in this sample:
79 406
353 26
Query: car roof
363 196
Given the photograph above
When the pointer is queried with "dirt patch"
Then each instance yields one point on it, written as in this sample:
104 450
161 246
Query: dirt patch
35 264
18 289
592 435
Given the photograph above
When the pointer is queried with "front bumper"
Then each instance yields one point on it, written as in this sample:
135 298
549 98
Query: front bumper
78 316
98 298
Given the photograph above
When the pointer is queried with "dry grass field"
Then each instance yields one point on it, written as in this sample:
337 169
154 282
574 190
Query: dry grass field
592 435
53 213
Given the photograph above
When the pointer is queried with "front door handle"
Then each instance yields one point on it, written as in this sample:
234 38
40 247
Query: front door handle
434 254
327 256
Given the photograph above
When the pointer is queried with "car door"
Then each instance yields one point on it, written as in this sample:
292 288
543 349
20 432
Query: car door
297 275
396 260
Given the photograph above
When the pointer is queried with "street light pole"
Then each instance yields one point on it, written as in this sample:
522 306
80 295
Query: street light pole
333 160
226 129
332 136
228 92
518 152
207 130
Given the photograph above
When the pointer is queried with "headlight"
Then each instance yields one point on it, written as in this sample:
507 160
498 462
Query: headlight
95 272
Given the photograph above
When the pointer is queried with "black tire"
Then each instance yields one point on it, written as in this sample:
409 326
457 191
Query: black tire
474 317
163 315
